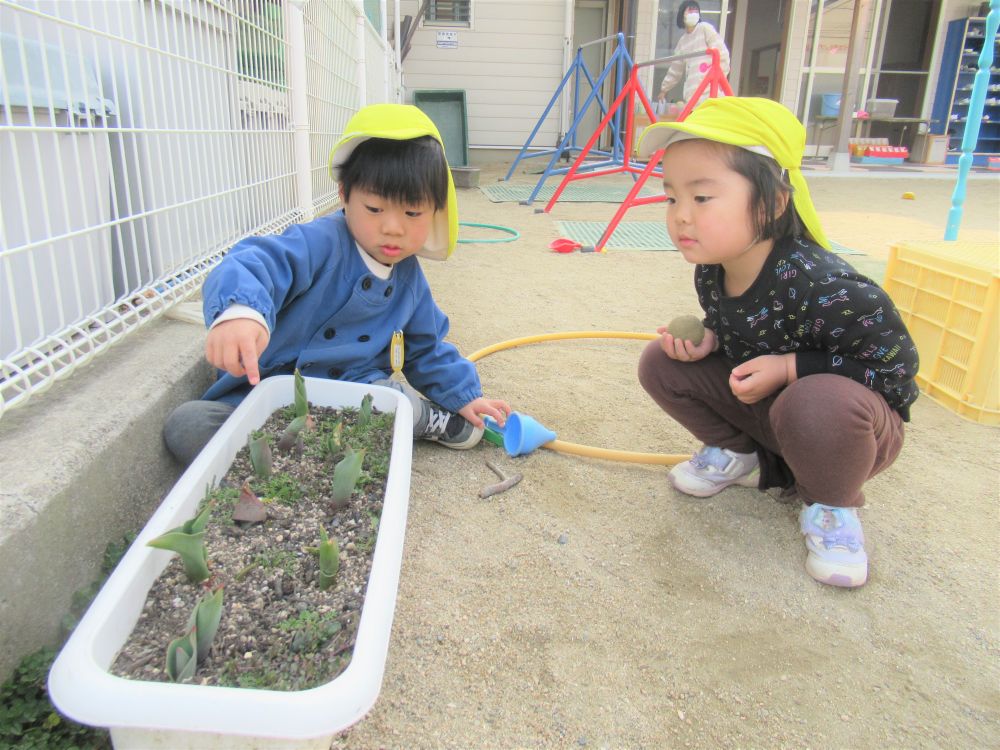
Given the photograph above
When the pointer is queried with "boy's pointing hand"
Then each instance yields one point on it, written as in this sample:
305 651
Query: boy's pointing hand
235 346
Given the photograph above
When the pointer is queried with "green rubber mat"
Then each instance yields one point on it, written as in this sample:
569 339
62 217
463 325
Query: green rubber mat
503 192
843 249
638 235
628 235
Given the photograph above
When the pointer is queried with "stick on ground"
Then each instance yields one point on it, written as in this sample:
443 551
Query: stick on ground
505 484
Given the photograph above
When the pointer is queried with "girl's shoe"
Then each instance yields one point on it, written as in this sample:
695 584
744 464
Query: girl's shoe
836 545
712 469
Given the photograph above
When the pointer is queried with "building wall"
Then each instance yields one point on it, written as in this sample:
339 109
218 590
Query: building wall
795 52
645 42
509 63
797 38
513 57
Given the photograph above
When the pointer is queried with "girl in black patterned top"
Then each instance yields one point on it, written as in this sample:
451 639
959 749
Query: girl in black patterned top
804 376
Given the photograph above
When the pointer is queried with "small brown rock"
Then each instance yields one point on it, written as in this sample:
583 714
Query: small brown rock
687 328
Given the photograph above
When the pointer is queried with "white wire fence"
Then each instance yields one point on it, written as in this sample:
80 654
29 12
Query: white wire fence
139 139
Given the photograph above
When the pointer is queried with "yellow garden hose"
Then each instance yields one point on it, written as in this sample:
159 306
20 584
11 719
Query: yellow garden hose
666 459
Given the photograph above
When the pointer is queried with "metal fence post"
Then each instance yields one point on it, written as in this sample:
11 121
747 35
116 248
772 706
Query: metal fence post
295 38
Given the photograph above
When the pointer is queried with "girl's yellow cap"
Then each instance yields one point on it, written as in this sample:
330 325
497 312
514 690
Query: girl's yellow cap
759 125
402 122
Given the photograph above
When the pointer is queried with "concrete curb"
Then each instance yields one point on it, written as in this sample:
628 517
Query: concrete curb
82 465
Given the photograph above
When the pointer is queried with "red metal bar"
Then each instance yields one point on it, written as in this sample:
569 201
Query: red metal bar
631 200
629 91
715 79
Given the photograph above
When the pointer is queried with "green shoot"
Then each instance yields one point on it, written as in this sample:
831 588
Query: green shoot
329 559
301 402
290 436
345 476
365 415
188 541
182 657
332 441
260 456
205 621
185 653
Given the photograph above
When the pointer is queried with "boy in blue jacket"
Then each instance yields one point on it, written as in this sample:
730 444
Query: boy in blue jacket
329 296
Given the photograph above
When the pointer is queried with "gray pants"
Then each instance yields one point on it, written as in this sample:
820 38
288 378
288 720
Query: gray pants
192 424
831 432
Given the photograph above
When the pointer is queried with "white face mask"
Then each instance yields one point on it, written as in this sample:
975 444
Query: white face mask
691 19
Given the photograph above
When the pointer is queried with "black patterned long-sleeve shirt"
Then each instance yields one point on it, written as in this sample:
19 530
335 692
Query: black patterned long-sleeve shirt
811 302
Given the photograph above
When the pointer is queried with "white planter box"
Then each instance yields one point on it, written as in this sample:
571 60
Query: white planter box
143 715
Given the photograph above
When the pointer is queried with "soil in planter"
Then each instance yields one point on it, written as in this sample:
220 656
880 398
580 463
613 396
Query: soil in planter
279 630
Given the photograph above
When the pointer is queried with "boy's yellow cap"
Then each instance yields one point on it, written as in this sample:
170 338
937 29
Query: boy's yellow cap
402 122
759 125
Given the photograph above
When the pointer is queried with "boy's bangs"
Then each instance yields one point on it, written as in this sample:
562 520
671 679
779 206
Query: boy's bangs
409 172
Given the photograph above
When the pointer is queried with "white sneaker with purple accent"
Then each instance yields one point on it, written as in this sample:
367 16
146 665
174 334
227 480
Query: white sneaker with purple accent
712 469
836 544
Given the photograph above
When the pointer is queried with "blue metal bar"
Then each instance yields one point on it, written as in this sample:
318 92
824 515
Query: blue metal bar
573 71
550 169
975 119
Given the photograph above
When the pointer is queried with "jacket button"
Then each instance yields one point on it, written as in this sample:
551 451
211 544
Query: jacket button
366 284
388 290
334 372
364 337
329 333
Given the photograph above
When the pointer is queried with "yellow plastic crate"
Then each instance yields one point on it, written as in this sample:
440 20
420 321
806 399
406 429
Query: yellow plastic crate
947 294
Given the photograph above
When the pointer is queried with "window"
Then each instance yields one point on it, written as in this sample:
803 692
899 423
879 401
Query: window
449 12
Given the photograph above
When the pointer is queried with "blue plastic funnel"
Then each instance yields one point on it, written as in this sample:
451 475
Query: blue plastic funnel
522 434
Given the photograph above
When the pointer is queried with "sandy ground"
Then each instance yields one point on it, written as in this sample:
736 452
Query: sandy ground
594 606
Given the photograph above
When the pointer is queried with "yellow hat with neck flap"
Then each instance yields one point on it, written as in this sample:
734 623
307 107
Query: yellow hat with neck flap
402 122
758 125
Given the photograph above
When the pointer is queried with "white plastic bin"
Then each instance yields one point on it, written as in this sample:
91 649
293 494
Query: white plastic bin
143 715
55 195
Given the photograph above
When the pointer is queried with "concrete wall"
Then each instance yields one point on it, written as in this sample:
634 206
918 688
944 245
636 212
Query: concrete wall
80 466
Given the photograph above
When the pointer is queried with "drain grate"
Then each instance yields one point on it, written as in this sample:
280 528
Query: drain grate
638 235
503 192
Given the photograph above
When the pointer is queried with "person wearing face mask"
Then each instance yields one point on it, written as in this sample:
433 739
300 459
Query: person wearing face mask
698 35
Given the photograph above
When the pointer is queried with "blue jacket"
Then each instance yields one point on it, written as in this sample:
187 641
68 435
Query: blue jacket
331 318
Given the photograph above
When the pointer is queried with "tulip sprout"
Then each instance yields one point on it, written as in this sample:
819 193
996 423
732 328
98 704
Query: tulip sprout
260 456
301 402
329 559
185 653
188 541
365 415
345 476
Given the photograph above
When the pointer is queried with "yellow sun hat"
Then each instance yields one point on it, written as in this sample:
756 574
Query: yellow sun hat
758 125
402 122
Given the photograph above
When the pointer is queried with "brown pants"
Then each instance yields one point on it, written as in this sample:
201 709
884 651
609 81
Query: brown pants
831 433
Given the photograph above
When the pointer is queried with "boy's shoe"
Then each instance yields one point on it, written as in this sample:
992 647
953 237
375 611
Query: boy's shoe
449 429
836 545
713 469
